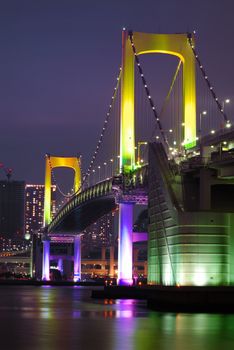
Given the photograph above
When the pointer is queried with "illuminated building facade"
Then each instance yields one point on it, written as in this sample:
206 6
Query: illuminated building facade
34 207
100 234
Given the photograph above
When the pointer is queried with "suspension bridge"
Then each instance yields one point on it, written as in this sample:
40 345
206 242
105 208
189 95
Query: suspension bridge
177 159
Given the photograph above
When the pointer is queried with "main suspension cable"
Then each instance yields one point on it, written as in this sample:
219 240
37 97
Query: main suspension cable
85 176
94 156
205 76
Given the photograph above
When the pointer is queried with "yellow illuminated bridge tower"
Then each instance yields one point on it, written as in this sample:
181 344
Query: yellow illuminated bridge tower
170 44
51 163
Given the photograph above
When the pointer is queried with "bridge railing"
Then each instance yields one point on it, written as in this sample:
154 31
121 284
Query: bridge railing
123 183
219 135
100 189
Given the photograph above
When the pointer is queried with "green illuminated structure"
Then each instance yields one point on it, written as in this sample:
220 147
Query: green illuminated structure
191 230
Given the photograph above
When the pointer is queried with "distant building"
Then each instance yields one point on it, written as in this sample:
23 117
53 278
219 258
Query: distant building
34 207
11 209
100 234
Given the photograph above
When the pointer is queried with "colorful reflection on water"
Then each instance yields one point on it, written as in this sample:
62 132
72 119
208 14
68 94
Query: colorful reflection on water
67 318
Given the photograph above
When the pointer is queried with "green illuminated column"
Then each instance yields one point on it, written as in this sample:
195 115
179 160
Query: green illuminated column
127 136
47 193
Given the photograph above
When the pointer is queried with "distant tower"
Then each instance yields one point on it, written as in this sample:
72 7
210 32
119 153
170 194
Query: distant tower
12 209
58 162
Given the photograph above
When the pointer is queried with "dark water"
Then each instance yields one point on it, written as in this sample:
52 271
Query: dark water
67 318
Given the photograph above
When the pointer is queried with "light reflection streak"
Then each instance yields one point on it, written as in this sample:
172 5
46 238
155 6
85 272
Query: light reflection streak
68 318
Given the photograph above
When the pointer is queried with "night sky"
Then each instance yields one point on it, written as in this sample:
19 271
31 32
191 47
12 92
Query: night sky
59 61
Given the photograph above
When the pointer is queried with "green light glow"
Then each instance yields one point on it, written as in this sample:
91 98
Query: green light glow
190 145
200 278
199 251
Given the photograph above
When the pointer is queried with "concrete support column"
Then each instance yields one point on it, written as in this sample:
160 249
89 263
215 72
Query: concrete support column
205 187
77 258
125 244
60 265
103 257
46 260
205 153
112 261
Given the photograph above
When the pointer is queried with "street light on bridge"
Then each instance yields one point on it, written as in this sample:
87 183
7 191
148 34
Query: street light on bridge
99 173
94 171
104 170
200 121
139 144
226 101
111 168
228 124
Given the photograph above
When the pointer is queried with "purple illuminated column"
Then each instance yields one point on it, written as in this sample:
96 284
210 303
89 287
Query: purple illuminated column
125 244
60 265
46 260
77 258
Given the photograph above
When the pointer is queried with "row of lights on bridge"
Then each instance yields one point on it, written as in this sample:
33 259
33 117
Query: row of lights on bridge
204 113
104 127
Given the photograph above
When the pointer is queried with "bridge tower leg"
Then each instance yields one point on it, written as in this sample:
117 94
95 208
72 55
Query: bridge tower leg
125 244
46 260
77 258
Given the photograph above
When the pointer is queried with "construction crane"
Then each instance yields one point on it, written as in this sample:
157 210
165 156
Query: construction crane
6 171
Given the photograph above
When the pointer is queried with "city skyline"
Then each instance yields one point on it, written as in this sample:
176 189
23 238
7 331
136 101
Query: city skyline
117 174
59 65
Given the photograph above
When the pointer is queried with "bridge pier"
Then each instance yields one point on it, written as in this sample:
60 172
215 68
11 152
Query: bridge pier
46 260
125 244
77 258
